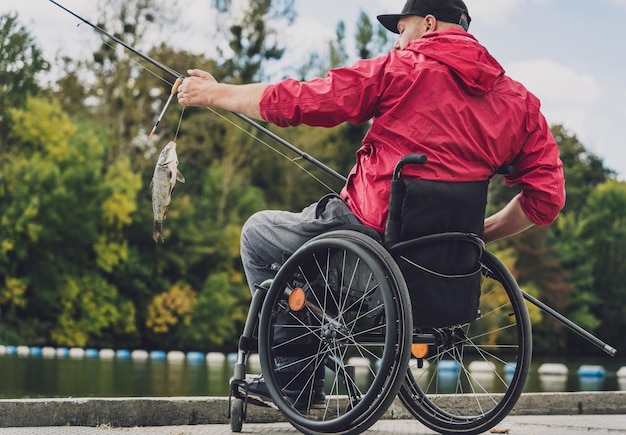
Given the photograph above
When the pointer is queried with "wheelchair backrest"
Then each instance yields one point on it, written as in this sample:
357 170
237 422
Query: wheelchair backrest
443 275
431 207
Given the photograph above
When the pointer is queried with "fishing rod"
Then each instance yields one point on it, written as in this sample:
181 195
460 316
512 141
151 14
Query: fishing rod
178 77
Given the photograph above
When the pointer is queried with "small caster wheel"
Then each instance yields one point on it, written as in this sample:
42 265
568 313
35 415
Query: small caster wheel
236 415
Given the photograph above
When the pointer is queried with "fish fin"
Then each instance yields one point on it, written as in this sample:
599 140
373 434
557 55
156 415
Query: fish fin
180 177
157 230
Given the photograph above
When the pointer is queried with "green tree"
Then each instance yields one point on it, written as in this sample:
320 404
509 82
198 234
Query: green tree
337 54
364 35
583 169
220 315
20 64
603 234
253 37
371 41
63 212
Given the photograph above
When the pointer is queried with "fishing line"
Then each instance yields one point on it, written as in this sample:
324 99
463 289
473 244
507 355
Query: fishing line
280 153
136 62
180 120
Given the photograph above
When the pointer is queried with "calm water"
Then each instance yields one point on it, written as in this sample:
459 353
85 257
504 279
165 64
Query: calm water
32 377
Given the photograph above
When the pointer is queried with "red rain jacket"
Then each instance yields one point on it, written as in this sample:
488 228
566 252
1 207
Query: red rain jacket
443 96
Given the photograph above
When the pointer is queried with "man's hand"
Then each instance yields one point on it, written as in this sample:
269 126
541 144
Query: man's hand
202 90
197 89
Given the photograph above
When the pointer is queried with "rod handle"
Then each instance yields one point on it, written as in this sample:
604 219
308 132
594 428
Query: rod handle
177 83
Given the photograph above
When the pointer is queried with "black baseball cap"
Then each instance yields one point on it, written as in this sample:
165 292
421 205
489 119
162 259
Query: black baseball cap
450 11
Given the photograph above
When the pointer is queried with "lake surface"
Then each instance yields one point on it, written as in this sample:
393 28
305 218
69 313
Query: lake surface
37 377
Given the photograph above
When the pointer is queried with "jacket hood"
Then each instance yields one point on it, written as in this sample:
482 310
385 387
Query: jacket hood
461 52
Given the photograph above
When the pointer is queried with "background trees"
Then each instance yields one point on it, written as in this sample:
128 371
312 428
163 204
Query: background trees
63 212
77 262
20 63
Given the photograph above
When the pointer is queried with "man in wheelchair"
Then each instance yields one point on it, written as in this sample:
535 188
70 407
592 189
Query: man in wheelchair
438 93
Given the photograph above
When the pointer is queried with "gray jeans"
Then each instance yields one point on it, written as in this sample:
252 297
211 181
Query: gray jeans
270 236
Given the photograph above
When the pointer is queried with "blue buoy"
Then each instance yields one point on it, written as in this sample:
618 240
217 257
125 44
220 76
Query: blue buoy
232 357
591 371
122 354
91 353
448 366
509 368
11 350
157 355
35 351
195 357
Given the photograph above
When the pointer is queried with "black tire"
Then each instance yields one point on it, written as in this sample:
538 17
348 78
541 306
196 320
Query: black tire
357 306
236 415
448 394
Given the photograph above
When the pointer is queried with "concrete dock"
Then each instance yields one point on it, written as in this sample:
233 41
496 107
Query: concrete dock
534 413
520 425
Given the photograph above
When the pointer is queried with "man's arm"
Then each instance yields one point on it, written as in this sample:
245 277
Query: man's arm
202 90
507 222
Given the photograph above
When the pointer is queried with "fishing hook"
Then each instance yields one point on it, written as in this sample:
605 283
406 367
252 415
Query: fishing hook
173 92
176 75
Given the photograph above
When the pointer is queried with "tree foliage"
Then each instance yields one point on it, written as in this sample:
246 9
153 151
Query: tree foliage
253 36
20 64
63 212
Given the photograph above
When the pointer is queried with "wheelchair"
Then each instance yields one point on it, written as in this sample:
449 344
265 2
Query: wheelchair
428 315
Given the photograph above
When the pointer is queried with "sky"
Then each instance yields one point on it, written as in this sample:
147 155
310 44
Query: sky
570 53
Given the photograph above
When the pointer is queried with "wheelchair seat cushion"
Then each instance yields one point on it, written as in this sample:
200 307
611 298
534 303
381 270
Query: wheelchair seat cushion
443 276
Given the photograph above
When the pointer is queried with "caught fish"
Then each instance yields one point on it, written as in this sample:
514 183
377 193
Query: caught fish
162 186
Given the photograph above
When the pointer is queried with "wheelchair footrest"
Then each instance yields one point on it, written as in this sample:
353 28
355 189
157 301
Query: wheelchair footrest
241 390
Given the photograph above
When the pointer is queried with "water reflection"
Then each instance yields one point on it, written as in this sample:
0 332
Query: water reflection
69 377
589 383
482 381
553 383
446 381
54 376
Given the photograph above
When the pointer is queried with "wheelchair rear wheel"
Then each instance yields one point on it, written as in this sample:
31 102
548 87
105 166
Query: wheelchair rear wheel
471 375
337 316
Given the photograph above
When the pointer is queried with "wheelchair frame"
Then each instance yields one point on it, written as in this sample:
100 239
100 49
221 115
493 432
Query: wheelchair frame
341 300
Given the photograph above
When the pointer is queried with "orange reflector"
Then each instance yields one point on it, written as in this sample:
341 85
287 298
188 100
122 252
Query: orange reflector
297 299
419 350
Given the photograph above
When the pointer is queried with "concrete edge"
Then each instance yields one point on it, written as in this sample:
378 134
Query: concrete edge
174 411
